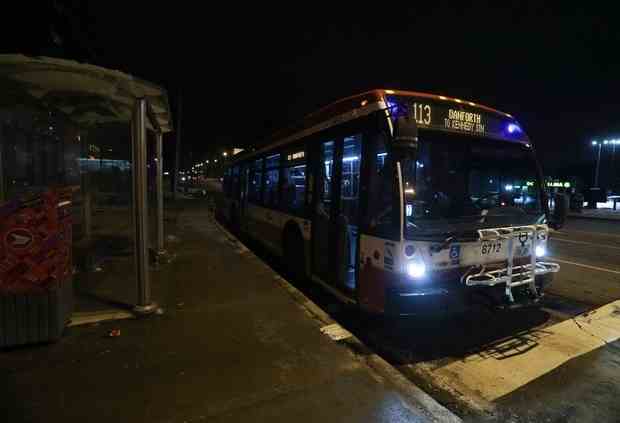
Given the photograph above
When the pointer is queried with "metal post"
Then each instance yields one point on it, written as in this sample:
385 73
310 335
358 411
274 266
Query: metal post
159 185
177 154
87 209
2 187
598 162
613 166
87 206
140 212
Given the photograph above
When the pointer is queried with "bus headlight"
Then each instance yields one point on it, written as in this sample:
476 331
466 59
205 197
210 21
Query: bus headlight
540 250
416 269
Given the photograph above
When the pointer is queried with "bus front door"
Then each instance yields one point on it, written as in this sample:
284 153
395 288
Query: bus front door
335 221
347 222
323 216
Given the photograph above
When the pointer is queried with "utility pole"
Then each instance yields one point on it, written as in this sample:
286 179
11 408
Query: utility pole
598 163
2 188
177 156
613 165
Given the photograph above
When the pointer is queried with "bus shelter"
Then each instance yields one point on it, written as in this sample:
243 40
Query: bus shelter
66 127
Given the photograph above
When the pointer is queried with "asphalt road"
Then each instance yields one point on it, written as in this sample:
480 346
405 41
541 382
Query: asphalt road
551 364
558 363
589 253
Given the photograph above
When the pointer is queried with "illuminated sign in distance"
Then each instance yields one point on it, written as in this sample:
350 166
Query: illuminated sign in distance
295 156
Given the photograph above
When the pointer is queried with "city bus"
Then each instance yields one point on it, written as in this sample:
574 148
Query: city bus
400 202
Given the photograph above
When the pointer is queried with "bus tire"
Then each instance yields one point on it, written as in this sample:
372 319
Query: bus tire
293 252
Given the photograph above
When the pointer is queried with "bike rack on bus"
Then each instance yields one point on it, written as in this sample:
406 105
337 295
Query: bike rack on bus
512 275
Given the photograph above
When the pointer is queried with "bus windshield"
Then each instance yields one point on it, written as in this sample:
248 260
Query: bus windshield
457 181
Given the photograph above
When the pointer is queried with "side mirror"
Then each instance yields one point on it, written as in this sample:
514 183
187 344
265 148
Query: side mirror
560 211
405 127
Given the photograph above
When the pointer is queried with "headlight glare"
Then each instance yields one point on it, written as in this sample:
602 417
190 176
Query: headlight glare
416 269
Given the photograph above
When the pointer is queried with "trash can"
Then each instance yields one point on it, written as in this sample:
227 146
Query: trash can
35 316
36 270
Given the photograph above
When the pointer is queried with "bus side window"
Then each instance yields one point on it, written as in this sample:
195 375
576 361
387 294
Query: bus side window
380 212
256 182
272 179
294 189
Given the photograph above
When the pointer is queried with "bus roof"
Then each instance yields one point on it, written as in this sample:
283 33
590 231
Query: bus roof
363 103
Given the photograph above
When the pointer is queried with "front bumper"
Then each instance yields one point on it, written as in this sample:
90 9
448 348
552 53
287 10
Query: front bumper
455 296
510 276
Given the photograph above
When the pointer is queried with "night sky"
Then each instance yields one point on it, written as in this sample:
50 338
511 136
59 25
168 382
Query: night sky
244 71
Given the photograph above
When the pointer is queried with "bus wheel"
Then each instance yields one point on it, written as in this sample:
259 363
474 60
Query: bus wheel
293 253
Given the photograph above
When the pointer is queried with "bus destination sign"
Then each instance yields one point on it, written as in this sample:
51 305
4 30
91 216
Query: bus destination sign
457 118
464 121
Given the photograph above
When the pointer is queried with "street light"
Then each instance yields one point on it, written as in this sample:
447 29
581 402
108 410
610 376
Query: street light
224 154
598 160
613 142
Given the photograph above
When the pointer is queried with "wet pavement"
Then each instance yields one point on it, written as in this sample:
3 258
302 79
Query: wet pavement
233 345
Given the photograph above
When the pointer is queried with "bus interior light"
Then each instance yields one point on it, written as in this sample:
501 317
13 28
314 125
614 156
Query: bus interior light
540 251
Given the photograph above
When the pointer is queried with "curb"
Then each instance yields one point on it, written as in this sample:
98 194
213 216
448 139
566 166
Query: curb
87 318
415 397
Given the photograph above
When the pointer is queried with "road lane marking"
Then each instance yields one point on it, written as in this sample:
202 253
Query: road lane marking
585 243
568 232
587 266
501 368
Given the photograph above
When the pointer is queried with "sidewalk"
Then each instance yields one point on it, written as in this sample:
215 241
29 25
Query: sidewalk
233 345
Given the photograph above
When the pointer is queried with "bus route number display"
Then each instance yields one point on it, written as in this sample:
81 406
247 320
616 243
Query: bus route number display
422 113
